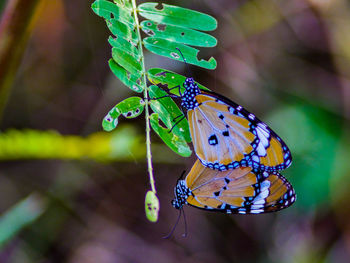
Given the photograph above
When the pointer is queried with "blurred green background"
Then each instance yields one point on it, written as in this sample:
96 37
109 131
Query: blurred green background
72 193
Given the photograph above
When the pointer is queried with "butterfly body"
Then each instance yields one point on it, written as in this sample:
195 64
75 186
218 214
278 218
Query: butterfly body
243 190
188 98
226 136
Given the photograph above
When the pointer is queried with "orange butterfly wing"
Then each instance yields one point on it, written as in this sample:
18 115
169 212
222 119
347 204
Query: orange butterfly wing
226 136
242 190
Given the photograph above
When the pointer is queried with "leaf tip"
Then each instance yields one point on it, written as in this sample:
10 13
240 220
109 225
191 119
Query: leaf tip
108 123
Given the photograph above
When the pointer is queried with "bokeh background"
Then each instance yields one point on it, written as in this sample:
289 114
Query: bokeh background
70 192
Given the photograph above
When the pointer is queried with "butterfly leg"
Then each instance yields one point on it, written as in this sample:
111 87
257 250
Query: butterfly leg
182 117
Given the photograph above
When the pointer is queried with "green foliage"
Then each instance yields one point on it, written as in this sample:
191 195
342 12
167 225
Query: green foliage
174 15
132 81
169 79
178 34
167 49
127 61
174 142
129 108
168 112
125 52
168 27
172 27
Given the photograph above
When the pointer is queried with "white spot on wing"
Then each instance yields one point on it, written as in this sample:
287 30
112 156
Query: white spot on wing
257 206
261 149
265 184
262 136
264 193
259 202
257 211
263 129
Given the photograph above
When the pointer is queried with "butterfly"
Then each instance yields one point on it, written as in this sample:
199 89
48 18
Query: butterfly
226 136
243 190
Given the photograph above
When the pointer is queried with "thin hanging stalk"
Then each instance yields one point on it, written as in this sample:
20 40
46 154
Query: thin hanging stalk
148 129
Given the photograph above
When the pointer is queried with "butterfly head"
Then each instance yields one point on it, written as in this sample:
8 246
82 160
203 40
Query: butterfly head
191 91
182 192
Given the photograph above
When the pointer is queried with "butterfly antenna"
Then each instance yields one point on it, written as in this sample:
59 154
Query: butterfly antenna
183 58
184 216
176 223
182 175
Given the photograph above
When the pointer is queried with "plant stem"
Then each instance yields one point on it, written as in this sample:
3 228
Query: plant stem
148 129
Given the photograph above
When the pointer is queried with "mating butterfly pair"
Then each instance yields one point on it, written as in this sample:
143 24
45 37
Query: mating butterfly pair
239 158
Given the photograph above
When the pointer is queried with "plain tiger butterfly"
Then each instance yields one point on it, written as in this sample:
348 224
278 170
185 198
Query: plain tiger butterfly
243 190
226 136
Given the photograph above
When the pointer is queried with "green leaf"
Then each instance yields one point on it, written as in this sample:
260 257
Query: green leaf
178 34
177 144
122 30
168 79
127 61
19 216
169 113
125 45
109 10
178 16
151 206
129 108
132 81
168 49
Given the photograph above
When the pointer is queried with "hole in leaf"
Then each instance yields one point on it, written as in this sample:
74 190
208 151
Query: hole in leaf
182 33
159 6
163 86
161 27
112 16
174 55
128 114
149 32
137 111
202 57
163 73
149 24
